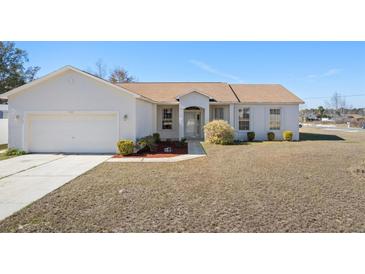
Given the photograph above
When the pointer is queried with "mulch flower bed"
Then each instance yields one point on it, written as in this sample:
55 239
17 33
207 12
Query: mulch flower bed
176 149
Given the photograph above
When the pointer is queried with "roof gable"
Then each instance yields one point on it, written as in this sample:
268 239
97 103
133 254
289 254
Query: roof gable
194 91
60 72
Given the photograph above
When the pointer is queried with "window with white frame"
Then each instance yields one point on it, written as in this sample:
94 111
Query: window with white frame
167 118
274 118
244 119
218 114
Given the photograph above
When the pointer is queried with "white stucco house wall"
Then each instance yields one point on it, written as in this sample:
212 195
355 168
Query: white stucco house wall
72 111
3 124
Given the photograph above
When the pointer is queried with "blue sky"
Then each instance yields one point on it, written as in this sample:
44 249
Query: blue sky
309 69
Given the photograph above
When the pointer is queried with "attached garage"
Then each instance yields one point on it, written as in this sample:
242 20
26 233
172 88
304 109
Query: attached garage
71 111
72 132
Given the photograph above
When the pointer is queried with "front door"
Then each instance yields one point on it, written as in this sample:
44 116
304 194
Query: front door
192 124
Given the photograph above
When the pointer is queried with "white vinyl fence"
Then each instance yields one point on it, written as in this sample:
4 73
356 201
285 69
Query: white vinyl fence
3 131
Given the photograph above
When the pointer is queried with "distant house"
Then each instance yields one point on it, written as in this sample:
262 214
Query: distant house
311 116
73 111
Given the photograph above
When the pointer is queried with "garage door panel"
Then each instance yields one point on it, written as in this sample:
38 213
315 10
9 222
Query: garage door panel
73 133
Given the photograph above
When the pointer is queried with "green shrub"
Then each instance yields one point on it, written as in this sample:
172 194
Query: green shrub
271 136
14 152
250 136
156 137
181 143
147 142
125 147
287 135
219 132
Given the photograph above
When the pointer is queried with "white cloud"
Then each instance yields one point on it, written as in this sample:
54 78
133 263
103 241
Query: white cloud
208 68
330 72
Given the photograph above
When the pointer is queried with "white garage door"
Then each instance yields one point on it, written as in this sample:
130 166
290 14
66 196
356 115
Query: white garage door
79 132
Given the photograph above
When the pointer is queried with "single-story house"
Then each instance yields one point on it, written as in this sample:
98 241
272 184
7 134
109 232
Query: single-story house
73 111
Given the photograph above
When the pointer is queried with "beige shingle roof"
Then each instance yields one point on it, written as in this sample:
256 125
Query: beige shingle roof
167 92
221 92
264 93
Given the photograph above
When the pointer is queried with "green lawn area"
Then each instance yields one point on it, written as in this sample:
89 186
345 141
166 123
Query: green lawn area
315 185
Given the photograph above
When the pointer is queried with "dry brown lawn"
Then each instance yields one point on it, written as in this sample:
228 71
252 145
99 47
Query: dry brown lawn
315 185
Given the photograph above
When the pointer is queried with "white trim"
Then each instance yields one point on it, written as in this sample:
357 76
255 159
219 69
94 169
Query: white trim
194 91
60 71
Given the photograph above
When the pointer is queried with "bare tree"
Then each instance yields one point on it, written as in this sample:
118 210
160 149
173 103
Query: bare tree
100 69
338 103
120 75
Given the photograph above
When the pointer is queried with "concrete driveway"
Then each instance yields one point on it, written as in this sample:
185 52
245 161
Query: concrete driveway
27 178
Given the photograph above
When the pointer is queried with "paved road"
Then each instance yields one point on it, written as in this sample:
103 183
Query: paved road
334 128
27 178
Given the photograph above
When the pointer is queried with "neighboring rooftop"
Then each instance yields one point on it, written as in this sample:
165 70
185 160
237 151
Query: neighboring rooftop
167 92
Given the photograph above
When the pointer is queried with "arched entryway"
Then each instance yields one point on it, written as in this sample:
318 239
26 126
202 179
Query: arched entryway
193 122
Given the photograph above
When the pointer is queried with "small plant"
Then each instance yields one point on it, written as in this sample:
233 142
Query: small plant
250 136
181 143
287 135
271 136
14 152
219 132
156 137
125 147
147 143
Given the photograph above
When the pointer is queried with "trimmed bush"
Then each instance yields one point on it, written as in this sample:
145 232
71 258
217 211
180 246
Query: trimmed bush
14 152
125 147
219 132
271 136
181 143
287 135
147 143
250 136
156 137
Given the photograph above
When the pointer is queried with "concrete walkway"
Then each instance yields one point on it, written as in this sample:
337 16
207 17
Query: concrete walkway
195 150
27 178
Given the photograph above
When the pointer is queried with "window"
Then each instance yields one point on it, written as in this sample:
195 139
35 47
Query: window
275 118
218 114
244 119
167 118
